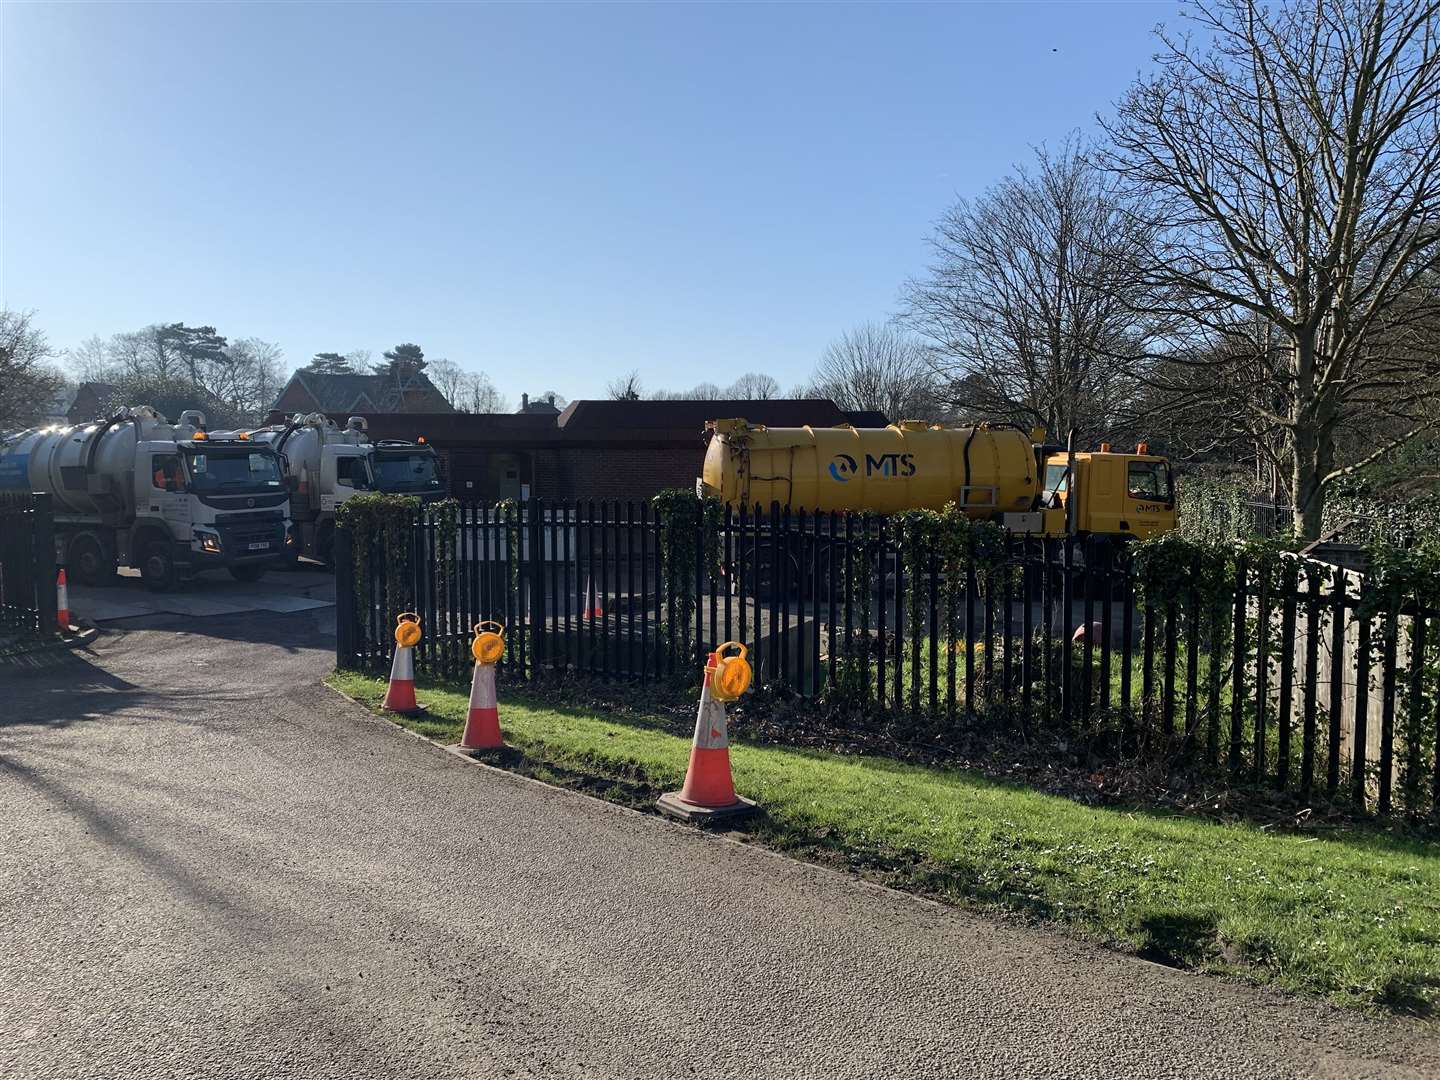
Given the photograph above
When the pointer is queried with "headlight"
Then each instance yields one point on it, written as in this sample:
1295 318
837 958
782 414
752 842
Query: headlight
209 541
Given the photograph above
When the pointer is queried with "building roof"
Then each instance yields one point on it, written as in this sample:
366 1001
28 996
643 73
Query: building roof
867 418
358 393
601 423
90 401
542 406
599 416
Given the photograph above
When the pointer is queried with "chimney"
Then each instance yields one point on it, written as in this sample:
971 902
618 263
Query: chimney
524 402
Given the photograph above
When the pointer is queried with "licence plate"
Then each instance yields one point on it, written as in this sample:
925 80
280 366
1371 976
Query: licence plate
260 547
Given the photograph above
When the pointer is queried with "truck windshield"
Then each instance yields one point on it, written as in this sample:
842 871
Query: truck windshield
214 471
406 472
1055 478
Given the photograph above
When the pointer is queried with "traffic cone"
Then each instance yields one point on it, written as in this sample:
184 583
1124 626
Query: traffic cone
592 608
400 697
482 723
709 789
62 602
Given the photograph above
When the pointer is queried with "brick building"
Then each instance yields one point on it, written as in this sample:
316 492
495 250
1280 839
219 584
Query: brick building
591 450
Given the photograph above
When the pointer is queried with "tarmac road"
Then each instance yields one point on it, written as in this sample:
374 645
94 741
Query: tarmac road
214 867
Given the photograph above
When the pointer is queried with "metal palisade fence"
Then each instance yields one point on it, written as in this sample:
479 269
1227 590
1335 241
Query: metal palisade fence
27 565
1281 670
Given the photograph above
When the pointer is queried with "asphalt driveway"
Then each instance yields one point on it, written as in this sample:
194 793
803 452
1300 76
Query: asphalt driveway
212 866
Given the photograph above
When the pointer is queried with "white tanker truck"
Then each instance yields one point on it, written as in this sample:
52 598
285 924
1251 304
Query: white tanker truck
328 464
170 500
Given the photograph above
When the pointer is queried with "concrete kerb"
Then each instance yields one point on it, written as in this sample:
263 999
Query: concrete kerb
740 839
1009 920
470 757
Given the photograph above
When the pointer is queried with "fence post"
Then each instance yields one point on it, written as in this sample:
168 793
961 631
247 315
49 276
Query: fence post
43 553
538 610
344 557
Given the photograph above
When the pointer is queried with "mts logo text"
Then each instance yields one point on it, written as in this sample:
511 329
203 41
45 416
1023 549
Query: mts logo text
843 466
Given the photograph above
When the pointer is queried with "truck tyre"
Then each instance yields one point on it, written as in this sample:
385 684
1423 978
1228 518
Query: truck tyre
248 572
86 559
157 567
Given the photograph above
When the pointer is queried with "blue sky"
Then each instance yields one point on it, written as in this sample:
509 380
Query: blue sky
553 194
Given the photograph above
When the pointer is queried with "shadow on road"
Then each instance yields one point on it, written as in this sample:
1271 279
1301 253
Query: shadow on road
67 688
292 632
103 827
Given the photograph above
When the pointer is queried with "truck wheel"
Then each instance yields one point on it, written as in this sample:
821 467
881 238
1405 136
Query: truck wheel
248 572
157 567
85 558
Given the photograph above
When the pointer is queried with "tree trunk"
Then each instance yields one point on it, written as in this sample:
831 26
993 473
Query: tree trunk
1308 495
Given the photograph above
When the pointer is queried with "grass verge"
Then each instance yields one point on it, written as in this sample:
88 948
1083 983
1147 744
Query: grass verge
1350 914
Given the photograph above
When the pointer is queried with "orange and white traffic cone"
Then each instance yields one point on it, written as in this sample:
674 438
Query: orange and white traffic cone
482 723
400 695
62 602
709 789
592 608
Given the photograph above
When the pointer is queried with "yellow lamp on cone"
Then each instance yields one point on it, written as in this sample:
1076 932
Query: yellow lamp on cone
489 645
731 675
407 630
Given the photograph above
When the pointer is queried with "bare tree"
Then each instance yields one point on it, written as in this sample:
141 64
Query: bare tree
91 360
478 395
1291 156
754 386
705 391
253 377
176 367
28 382
1026 301
449 379
128 356
880 368
626 388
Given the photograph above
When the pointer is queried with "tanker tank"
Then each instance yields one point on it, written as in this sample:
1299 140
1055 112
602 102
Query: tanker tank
988 471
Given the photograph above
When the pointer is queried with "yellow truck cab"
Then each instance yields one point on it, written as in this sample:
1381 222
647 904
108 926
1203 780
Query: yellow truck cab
1122 495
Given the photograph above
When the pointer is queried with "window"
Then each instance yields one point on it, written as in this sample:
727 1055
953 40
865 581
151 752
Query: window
350 472
1149 480
1055 478
165 472
406 472
233 471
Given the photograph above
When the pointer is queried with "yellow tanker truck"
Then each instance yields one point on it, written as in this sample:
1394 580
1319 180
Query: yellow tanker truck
1001 474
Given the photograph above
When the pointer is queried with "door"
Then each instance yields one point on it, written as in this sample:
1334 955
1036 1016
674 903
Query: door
168 498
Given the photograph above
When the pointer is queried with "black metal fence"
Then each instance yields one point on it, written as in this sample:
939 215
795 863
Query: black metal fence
27 565
1286 672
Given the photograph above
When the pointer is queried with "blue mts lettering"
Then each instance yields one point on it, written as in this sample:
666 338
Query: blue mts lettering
890 465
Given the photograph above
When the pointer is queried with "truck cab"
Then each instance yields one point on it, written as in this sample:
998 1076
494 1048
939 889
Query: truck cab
208 501
1129 496
405 468
326 465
